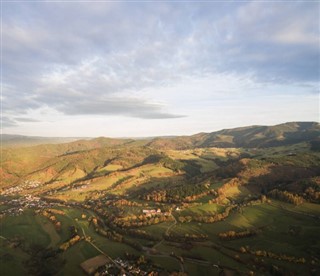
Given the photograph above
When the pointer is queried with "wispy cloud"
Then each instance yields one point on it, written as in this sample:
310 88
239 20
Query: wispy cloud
145 60
7 122
26 120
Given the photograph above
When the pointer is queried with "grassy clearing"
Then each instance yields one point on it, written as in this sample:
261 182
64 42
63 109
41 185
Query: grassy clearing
207 153
206 165
26 227
158 229
181 154
49 229
202 209
169 263
214 256
75 255
308 208
110 168
154 170
194 269
275 235
11 260
187 228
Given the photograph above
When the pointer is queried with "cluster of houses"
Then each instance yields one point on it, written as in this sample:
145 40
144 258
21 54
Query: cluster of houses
27 185
80 187
152 212
126 266
103 265
18 205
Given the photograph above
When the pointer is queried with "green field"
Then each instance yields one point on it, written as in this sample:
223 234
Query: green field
234 202
27 227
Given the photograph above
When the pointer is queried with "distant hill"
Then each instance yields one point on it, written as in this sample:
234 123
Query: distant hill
249 137
20 161
21 140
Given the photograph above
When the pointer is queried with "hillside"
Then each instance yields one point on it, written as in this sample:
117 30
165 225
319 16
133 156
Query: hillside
18 162
252 136
188 205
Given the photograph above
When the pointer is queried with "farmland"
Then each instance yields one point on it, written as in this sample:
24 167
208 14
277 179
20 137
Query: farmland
161 207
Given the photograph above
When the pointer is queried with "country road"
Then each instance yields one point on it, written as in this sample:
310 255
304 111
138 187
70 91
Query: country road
167 231
99 249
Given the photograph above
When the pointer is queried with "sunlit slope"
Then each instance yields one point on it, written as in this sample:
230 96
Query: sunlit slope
20 162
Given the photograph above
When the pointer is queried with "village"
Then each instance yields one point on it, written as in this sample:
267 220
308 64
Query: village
26 185
102 265
18 205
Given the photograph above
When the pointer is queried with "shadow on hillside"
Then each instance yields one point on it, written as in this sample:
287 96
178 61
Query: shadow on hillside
282 177
157 183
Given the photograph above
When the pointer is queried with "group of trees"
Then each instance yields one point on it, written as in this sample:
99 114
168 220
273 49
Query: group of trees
197 196
157 196
123 202
171 164
280 257
56 211
232 235
185 238
229 168
220 195
181 193
312 194
311 189
286 196
141 234
49 213
234 182
111 235
141 220
70 242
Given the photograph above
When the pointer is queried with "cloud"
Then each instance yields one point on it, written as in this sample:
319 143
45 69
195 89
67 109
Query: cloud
7 122
26 120
95 64
278 41
79 69
128 107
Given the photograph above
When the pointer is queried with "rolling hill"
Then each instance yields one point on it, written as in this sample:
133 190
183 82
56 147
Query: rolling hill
241 201
11 140
251 137
67 162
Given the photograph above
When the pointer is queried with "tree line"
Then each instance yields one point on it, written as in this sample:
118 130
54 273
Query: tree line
49 213
141 220
181 193
233 235
286 196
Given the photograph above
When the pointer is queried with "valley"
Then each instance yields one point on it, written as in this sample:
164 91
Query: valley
243 201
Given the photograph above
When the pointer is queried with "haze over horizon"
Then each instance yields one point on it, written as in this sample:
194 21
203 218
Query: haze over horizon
137 69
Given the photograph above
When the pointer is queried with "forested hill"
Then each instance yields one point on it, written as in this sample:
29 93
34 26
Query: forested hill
249 137
246 137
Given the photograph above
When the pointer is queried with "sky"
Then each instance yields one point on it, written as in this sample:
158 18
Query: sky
151 68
